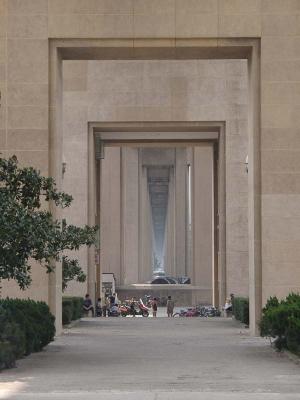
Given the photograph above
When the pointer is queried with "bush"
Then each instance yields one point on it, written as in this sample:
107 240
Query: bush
240 309
67 311
77 307
7 356
281 321
26 326
71 309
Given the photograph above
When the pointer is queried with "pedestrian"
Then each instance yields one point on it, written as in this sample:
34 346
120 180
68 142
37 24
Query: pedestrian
154 307
228 307
112 299
170 307
132 306
88 305
98 308
105 307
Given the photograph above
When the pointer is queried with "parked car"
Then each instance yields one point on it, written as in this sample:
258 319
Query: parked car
170 280
164 280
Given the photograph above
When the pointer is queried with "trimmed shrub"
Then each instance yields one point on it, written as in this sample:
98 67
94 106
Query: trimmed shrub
71 309
67 311
281 321
12 334
241 309
26 326
7 356
293 334
77 307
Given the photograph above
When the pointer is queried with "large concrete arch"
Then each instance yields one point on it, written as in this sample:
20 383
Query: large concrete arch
127 49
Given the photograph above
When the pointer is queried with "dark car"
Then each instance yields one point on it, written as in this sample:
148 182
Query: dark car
164 280
184 280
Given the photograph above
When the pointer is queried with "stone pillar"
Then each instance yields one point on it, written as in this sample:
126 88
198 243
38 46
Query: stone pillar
203 217
254 194
180 211
130 215
145 236
170 267
110 215
189 224
55 158
221 261
93 187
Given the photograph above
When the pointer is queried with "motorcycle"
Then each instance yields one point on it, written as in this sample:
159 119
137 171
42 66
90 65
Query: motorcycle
200 311
209 311
188 312
138 308
143 310
125 310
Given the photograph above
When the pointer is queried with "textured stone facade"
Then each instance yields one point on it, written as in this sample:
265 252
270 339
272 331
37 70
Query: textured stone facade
27 30
207 90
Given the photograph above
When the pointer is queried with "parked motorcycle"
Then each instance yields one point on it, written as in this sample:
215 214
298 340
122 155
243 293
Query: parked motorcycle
209 311
125 310
138 308
201 311
188 312
143 310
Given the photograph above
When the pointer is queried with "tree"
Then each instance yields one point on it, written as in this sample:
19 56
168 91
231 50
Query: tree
71 270
27 229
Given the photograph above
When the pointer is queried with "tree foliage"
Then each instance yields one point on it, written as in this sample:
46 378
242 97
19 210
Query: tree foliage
71 271
27 229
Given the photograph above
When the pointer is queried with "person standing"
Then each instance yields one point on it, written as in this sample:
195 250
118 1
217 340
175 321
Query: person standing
112 299
170 307
132 306
98 308
105 306
154 307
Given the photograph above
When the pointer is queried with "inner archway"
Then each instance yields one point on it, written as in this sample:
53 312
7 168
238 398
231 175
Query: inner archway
170 178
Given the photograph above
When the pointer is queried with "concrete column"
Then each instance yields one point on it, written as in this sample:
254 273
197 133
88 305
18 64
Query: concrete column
55 170
170 267
189 229
254 194
110 206
180 211
130 214
203 217
145 236
222 289
92 201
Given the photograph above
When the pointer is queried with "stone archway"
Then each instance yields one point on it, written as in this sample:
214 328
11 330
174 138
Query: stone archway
207 268
127 49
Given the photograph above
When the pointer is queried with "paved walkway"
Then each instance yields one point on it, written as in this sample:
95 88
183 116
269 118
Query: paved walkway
154 359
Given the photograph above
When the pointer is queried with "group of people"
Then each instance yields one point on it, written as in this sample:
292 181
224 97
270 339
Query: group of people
153 303
111 305
102 309
170 306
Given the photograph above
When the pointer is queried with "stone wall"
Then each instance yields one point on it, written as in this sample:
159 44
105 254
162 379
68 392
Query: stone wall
192 90
26 26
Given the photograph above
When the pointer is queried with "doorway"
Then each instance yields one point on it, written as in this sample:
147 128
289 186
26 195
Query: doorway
158 204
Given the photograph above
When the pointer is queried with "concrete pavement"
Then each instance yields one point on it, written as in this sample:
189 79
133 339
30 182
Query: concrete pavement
154 359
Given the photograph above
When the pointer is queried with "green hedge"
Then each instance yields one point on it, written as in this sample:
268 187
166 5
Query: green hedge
26 326
71 309
281 321
241 309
